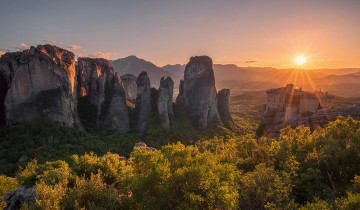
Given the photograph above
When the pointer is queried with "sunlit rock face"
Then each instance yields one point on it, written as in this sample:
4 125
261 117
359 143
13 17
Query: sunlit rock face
39 80
164 101
117 117
224 105
130 86
198 92
101 91
143 101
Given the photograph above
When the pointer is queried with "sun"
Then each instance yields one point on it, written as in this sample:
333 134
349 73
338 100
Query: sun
300 60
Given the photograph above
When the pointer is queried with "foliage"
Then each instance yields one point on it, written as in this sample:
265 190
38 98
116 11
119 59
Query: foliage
213 169
7 184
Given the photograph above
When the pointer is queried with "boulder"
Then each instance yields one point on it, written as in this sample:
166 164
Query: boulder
164 101
23 159
117 117
142 145
143 101
224 105
198 93
130 86
16 198
38 80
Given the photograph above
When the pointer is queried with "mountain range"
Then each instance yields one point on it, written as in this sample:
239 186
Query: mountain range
342 82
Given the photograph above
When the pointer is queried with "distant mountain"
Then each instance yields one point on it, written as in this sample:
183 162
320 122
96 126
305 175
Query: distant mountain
241 79
177 69
134 65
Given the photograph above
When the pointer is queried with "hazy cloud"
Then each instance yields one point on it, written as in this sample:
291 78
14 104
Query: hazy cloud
22 46
250 61
100 55
74 47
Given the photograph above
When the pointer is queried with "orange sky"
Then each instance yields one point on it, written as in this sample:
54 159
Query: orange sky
243 32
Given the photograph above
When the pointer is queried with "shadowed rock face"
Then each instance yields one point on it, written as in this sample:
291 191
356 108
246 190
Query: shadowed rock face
143 101
180 97
164 101
130 86
3 91
92 76
103 90
39 80
198 92
117 117
224 105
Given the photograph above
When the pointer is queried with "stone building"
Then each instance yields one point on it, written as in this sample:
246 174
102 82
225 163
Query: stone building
289 105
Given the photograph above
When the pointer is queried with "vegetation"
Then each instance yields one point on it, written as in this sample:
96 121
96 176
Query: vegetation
217 168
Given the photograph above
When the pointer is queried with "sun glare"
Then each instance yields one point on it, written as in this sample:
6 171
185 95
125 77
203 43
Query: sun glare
300 60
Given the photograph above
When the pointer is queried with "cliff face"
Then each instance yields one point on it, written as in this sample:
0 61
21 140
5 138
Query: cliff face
39 80
224 105
101 94
198 92
164 101
130 86
117 117
143 101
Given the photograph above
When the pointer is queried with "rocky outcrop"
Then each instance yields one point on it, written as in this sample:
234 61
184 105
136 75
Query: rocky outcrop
142 145
164 101
38 80
198 92
16 198
130 86
101 91
324 116
224 105
271 124
143 101
117 118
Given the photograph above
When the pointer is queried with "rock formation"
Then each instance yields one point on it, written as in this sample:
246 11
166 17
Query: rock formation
130 86
143 101
198 92
142 145
16 198
164 101
117 117
102 92
224 105
38 80
92 76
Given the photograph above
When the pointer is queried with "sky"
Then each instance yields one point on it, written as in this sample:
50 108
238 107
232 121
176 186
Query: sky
246 33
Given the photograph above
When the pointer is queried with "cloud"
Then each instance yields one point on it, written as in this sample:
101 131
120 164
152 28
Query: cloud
2 53
74 47
100 55
250 61
22 46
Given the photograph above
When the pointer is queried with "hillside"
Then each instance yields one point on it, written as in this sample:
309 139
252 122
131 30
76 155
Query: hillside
134 65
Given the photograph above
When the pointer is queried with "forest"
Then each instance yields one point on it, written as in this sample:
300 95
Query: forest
217 168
